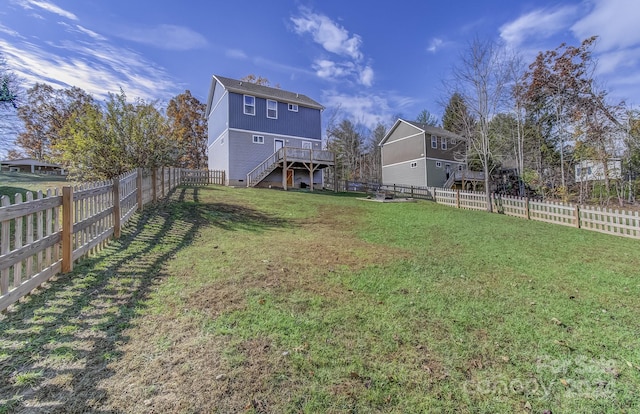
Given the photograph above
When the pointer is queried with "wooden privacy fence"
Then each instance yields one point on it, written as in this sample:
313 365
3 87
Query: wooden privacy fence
611 221
42 235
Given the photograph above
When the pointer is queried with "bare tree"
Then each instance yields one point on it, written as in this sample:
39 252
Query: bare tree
481 79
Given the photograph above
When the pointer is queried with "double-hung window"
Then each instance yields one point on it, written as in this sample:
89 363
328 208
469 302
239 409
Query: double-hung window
249 105
443 143
434 141
272 109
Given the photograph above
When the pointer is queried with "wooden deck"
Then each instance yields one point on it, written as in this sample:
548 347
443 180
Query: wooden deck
288 158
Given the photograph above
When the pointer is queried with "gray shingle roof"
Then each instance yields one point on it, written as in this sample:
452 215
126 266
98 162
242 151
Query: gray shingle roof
249 88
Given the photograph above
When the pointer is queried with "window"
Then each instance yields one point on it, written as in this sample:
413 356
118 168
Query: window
293 107
258 139
272 109
460 167
306 145
438 164
454 141
434 141
443 143
414 165
249 105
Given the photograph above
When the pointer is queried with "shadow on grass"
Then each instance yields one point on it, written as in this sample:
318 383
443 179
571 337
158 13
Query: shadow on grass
56 345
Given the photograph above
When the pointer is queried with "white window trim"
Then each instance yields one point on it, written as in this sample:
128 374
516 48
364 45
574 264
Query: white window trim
271 101
434 141
258 139
309 143
293 107
414 164
443 143
454 141
438 164
244 105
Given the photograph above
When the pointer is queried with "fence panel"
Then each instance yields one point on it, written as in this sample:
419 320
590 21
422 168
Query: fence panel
513 206
93 206
128 195
472 200
29 243
445 196
33 245
552 212
619 223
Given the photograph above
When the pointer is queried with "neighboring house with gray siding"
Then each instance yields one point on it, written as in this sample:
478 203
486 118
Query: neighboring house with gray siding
264 136
420 155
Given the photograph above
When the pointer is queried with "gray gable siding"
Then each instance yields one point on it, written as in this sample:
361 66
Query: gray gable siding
219 116
304 123
401 131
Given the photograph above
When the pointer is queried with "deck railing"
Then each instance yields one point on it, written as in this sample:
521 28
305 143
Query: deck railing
288 154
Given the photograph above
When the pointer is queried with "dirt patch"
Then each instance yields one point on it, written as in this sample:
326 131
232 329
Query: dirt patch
170 363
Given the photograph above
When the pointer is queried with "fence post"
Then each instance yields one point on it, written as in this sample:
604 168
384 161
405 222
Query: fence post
139 189
526 211
67 229
162 194
457 198
577 215
154 184
411 191
116 208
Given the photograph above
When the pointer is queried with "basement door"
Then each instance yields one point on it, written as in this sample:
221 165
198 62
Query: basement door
289 178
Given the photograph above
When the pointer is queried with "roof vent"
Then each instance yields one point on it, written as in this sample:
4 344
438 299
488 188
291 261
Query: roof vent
297 96
240 83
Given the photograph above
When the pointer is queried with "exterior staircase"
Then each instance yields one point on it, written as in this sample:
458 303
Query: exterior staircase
289 157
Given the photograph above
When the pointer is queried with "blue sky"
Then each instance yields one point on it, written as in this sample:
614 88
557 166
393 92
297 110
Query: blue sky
370 60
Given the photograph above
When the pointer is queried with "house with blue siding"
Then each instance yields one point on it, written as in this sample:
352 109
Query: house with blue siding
264 136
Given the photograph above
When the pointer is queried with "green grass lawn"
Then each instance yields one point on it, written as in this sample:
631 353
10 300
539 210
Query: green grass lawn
12 183
247 300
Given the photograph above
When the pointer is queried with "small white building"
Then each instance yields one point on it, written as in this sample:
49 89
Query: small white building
30 165
590 170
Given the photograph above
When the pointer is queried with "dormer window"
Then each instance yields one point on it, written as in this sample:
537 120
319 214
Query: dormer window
293 107
272 109
249 105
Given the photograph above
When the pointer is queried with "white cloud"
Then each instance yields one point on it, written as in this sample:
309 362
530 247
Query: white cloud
90 33
435 45
47 6
331 36
328 69
537 24
98 68
615 22
9 31
236 54
165 36
366 76
367 109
